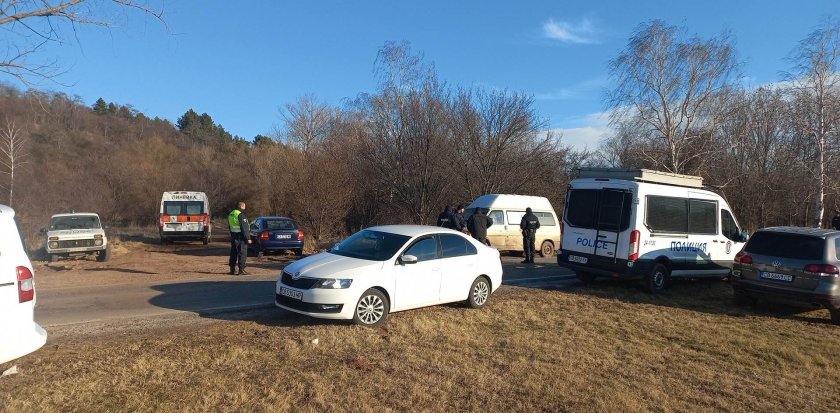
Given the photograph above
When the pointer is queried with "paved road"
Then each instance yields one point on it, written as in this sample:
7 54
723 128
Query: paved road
71 305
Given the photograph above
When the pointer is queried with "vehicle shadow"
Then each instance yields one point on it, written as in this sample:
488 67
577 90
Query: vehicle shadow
712 296
230 301
125 270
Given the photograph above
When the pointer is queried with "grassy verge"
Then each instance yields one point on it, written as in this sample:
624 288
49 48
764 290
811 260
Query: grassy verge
601 348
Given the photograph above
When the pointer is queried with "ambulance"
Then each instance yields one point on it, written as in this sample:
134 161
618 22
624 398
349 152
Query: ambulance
184 215
646 225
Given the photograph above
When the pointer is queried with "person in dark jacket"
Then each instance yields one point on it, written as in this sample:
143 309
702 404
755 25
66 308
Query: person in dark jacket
460 222
835 222
447 218
529 225
240 238
478 224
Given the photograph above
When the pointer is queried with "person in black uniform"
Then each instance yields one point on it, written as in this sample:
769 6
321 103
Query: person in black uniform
529 225
447 218
460 222
240 238
835 222
478 224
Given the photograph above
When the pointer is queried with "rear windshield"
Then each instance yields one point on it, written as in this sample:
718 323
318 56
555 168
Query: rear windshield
603 209
782 245
280 224
183 207
74 222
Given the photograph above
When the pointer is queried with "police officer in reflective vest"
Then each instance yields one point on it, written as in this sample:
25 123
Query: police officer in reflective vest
240 238
529 225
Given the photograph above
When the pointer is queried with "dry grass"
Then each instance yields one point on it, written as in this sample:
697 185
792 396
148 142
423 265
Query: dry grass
601 348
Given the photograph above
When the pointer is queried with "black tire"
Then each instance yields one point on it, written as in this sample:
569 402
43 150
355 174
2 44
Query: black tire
742 298
479 292
656 281
54 257
260 253
299 252
585 277
835 315
104 255
547 249
371 309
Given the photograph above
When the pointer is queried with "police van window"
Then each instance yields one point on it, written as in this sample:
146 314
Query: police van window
424 250
515 217
455 246
546 219
667 214
497 217
580 211
702 217
614 210
730 228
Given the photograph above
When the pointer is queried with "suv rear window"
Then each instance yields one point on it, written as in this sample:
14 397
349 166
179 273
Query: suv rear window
783 245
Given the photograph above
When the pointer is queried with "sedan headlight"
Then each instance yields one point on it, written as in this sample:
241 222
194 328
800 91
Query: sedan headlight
333 283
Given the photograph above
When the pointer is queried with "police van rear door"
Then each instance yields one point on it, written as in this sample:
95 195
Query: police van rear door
594 220
613 214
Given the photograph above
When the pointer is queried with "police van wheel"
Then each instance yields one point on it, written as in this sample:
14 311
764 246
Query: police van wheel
547 249
655 282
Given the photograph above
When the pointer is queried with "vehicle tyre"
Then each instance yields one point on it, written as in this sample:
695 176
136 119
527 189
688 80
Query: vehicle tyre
104 255
835 315
54 257
655 282
479 292
585 277
547 249
742 298
371 309
260 253
299 252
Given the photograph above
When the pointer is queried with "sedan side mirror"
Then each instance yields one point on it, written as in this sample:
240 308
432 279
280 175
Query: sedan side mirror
408 259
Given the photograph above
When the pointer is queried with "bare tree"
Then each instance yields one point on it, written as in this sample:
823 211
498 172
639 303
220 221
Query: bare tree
669 91
815 85
308 122
33 24
14 154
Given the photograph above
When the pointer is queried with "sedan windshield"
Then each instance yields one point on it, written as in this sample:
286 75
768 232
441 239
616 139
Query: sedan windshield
370 245
74 222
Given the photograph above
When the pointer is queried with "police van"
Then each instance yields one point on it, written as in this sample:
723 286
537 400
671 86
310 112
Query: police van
646 225
184 215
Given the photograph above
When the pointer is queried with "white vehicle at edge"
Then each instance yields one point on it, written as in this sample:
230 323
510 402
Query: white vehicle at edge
381 270
647 225
76 234
19 334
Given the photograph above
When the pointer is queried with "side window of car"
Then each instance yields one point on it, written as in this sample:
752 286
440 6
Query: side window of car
256 224
730 228
498 217
455 246
424 249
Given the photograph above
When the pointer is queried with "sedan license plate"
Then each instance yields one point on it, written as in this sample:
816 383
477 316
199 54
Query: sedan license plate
284 236
297 295
579 260
775 276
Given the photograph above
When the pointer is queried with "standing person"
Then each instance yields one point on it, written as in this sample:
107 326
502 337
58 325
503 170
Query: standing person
529 225
460 222
478 224
447 218
240 238
835 222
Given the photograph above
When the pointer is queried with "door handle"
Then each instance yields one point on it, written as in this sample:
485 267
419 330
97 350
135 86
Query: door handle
714 240
602 236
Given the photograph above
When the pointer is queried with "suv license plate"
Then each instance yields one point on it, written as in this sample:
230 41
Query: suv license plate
297 295
775 276
580 260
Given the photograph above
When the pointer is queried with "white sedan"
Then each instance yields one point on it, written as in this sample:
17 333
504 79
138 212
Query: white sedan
390 268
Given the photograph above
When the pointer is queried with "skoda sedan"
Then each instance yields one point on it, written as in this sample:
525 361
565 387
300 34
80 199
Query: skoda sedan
381 270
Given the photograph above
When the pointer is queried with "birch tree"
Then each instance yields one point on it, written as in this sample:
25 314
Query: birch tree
13 155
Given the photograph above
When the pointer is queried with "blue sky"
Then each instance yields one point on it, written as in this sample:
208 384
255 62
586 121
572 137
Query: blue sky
242 63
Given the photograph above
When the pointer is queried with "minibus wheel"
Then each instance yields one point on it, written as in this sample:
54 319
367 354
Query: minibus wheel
656 280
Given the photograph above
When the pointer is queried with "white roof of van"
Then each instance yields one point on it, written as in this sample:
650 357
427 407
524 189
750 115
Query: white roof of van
512 201
76 214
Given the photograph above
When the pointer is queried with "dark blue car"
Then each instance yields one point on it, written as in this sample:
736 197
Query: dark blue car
275 234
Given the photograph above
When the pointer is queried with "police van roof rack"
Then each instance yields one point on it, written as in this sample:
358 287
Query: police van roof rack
642 175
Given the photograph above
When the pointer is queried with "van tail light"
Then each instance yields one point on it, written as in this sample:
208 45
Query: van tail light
742 258
26 285
300 235
205 219
634 246
264 236
160 221
822 269
562 228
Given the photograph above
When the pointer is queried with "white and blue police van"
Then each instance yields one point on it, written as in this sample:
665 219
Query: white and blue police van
646 225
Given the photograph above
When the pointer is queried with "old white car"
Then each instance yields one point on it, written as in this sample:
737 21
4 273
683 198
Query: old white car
76 234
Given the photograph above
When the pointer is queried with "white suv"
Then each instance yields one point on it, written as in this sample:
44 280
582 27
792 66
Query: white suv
19 334
76 234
